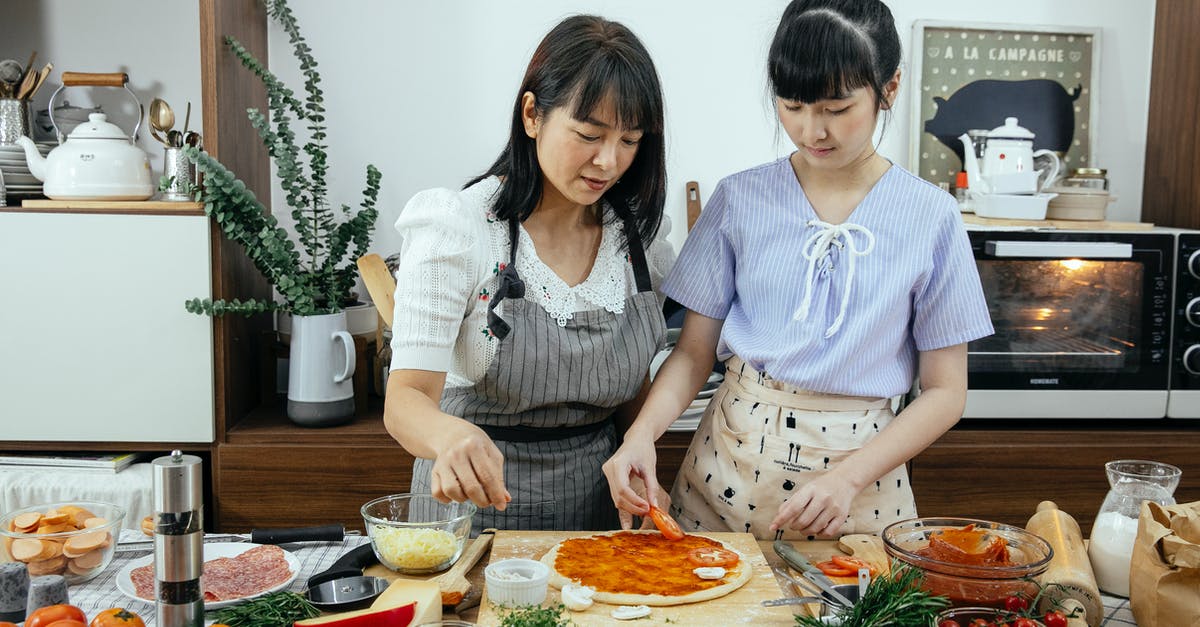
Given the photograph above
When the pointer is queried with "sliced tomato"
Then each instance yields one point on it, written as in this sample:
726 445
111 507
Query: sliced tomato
833 569
854 563
712 556
666 525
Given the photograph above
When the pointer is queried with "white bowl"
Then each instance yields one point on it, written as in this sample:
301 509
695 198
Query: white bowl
1012 206
517 582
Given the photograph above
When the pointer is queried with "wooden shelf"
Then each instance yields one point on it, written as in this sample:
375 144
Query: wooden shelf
268 425
144 207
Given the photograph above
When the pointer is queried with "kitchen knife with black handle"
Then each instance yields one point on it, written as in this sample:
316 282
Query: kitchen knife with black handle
320 533
796 560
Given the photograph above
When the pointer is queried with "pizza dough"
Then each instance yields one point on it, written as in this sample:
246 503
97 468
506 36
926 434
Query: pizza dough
640 568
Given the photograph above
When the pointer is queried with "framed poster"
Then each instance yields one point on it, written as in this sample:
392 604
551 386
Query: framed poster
973 76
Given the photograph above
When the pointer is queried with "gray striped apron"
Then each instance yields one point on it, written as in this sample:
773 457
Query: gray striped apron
548 397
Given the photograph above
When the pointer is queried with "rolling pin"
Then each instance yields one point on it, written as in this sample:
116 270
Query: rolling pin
1069 575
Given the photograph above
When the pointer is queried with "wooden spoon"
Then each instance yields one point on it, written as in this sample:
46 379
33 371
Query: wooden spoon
454 583
380 283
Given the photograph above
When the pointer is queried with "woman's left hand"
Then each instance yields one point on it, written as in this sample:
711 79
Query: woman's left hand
818 508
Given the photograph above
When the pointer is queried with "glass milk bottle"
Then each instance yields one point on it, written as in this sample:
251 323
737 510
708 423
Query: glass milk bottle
1110 546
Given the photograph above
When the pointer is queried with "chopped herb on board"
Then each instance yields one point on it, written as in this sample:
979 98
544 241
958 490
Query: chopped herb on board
534 616
278 609
896 600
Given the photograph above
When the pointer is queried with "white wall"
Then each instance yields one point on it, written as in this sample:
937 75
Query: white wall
156 43
423 88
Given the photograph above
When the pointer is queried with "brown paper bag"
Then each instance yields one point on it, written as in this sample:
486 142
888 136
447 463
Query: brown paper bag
1164 574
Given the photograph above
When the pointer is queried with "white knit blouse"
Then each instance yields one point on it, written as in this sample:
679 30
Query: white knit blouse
453 248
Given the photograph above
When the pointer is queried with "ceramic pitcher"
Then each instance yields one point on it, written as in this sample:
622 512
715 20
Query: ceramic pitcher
320 368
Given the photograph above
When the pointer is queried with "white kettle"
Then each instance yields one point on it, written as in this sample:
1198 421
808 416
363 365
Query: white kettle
1007 166
97 161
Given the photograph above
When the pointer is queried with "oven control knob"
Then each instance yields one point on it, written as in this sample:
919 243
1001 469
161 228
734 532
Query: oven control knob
1193 312
1191 359
1194 264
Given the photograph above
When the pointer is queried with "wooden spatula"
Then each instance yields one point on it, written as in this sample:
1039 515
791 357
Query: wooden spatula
454 583
381 285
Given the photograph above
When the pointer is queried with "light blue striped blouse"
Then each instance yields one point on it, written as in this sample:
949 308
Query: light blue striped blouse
897 278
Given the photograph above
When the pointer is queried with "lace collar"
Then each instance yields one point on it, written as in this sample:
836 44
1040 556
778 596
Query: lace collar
604 287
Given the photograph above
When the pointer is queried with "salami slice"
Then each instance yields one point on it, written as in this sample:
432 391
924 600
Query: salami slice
226 578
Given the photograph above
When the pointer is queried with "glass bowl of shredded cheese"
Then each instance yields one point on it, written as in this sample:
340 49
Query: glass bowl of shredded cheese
416 534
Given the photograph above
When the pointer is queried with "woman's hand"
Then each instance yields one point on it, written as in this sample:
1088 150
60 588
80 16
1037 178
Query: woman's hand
470 468
818 508
634 462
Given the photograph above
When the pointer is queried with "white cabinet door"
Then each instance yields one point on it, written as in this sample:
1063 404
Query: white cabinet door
95 344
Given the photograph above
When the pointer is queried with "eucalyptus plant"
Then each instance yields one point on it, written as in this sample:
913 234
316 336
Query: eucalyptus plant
315 272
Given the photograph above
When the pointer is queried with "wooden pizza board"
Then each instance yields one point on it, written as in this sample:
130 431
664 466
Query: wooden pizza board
742 606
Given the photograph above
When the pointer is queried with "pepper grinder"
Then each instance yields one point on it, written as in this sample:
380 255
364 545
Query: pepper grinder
178 540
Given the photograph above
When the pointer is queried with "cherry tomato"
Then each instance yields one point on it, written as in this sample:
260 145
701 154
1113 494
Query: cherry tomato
1055 619
117 617
980 622
1016 603
1023 622
854 563
68 622
833 569
948 622
666 525
712 556
44 616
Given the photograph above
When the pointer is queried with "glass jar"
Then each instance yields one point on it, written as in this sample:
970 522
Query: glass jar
1132 482
1092 178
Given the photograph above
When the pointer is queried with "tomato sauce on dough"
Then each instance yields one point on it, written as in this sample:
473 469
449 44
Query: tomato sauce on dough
634 563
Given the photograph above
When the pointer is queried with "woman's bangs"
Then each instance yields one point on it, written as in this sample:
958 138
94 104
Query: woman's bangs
828 64
608 81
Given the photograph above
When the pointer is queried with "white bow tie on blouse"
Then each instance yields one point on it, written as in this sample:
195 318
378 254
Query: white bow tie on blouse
817 249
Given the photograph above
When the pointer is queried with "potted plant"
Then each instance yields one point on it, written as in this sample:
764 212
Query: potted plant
314 272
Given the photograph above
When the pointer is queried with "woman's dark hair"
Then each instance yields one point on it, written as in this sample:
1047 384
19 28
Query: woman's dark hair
824 49
582 63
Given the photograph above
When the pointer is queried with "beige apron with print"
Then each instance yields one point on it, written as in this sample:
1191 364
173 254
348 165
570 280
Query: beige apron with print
760 439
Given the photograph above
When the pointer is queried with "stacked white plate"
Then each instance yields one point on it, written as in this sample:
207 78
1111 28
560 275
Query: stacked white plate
18 182
690 418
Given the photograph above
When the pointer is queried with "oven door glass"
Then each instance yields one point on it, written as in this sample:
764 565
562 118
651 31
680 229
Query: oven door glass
1071 314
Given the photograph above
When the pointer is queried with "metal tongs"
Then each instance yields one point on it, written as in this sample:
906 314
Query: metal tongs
796 560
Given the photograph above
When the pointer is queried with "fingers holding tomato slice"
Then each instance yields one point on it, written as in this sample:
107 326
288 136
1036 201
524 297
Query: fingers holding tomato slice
712 556
666 525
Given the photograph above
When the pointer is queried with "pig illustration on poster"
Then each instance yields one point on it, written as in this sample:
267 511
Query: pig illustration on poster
970 76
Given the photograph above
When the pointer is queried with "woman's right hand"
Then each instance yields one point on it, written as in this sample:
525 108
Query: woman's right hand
635 458
469 468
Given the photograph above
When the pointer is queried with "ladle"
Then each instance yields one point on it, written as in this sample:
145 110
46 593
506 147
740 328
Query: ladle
162 118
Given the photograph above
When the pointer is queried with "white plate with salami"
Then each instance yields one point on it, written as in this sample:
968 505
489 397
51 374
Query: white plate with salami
233 572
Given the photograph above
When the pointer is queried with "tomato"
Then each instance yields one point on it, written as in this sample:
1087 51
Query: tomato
854 563
1023 622
44 616
948 622
117 617
1016 604
1055 619
980 622
4 624
666 525
712 556
68 622
833 569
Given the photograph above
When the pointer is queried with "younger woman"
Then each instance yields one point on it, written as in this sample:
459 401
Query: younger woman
825 281
525 316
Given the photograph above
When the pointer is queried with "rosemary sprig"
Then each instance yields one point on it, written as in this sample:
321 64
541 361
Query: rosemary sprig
896 600
278 609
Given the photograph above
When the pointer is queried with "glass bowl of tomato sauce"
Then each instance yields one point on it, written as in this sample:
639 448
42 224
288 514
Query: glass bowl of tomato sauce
983 617
974 563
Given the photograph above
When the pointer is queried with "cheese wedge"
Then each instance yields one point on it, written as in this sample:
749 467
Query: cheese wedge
391 617
426 594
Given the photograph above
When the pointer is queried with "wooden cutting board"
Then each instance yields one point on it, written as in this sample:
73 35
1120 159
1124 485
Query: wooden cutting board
741 606
1065 225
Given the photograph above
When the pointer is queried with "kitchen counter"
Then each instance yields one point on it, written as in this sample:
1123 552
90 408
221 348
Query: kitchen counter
102 593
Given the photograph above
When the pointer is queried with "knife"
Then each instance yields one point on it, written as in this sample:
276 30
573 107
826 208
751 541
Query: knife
320 533
796 560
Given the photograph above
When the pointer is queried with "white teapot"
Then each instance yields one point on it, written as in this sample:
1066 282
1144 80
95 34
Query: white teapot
97 161
1007 166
